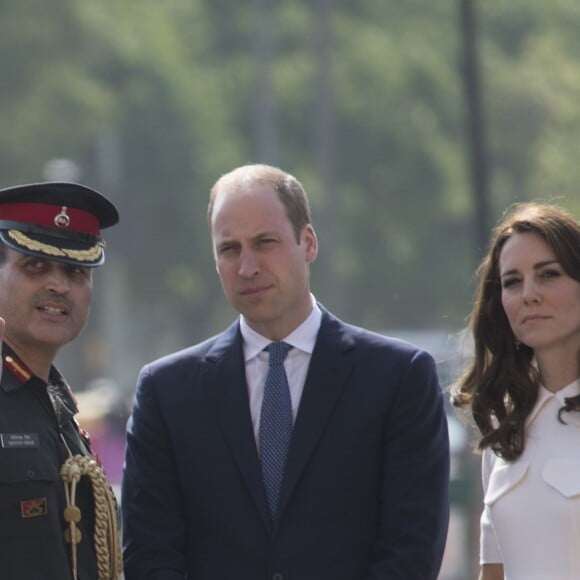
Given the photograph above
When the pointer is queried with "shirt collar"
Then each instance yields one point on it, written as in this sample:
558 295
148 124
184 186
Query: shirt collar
544 395
303 337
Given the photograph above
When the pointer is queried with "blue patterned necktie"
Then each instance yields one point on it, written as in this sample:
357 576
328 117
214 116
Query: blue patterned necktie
275 423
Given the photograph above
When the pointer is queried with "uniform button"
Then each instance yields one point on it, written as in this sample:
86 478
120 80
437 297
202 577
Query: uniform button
30 473
277 576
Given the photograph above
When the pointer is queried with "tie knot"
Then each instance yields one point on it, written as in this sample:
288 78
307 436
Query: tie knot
278 352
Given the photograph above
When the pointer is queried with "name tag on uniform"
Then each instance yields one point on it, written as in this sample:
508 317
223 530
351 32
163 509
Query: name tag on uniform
19 440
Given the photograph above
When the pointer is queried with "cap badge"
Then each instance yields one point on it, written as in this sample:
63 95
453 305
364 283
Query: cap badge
62 220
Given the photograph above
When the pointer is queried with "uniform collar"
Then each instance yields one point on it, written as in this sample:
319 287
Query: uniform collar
16 374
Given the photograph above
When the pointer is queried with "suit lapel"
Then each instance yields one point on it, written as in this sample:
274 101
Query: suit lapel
225 377
329 372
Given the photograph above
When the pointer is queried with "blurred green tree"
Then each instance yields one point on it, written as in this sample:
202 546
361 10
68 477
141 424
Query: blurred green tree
153 100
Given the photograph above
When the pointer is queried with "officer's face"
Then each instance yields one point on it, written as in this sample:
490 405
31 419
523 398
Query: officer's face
45 303
264 270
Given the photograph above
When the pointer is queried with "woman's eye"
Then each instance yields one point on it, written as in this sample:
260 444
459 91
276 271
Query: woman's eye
509 282
550 274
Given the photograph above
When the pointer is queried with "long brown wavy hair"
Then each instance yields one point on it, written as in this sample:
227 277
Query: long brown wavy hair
500 384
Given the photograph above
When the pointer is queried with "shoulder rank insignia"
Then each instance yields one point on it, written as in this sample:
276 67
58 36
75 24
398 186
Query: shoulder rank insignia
17 368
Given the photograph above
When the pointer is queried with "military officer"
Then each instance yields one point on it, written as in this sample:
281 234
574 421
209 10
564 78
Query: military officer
57 511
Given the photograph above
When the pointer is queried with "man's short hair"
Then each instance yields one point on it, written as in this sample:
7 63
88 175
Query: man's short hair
289 190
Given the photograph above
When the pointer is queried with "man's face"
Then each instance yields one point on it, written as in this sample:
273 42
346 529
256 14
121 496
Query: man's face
263 269
45 303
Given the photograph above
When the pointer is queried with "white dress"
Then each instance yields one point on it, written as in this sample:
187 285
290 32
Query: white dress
531 517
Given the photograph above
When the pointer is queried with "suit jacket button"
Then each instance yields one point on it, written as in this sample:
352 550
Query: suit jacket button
277 576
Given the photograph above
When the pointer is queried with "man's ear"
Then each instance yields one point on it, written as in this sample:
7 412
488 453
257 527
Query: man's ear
310 242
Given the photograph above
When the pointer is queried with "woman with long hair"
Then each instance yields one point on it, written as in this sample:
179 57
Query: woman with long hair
522 389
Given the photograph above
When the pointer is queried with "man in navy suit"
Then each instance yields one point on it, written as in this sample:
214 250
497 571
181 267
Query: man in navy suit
364 477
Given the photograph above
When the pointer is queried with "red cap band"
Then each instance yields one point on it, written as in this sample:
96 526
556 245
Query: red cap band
46 215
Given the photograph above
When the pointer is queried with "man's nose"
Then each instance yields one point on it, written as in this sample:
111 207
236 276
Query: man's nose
58 281
249 264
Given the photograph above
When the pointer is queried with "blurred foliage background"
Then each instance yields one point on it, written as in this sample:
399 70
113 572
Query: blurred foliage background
366 102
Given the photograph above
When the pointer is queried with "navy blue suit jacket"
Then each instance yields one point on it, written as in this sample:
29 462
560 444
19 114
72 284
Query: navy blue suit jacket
365 495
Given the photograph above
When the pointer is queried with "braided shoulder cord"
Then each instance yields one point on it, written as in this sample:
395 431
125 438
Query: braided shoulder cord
107 548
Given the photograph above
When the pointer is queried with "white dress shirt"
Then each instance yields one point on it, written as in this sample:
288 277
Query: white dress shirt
302 338
531 517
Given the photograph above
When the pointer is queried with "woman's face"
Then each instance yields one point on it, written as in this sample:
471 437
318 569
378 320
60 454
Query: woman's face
541 301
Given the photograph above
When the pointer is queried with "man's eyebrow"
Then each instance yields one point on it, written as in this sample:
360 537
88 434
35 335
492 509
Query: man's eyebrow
224 243
266 234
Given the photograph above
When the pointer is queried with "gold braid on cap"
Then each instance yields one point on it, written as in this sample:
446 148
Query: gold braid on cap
90 255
